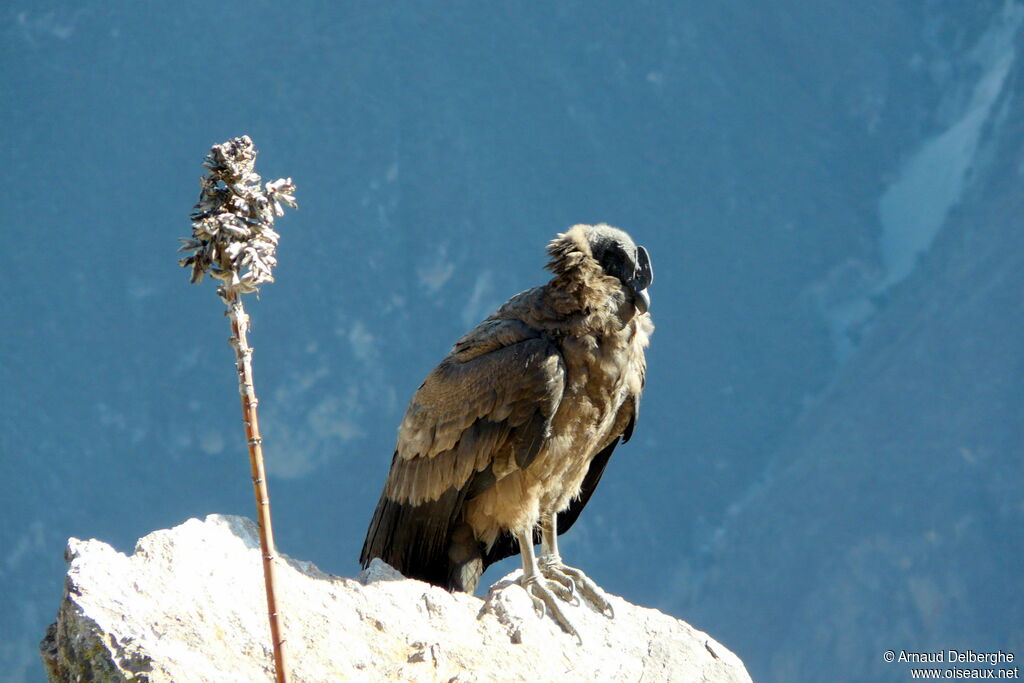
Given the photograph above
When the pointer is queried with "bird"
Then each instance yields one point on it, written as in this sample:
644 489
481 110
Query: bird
504 442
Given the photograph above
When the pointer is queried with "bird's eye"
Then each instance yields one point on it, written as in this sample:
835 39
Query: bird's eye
614 262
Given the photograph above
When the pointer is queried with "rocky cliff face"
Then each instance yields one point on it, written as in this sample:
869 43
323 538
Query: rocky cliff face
188 605
903 482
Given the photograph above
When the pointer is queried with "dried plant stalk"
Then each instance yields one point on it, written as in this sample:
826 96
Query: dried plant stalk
243 362
233 240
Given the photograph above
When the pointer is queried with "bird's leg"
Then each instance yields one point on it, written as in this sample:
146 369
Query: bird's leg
537 588
552 567
549 557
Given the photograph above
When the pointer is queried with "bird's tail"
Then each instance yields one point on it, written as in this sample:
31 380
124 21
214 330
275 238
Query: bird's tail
426 542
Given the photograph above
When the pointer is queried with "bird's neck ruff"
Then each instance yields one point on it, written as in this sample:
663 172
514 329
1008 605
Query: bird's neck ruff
579 283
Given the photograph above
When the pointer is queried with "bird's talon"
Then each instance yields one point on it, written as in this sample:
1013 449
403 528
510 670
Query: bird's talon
545 602
561 591
538 604
563 586
579 586
573 597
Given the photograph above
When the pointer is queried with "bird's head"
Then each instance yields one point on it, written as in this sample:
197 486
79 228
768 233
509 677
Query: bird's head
610 251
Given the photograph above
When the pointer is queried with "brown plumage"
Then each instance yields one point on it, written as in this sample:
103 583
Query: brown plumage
506 439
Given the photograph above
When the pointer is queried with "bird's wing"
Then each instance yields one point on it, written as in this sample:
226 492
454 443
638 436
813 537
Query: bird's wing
488 405
482 413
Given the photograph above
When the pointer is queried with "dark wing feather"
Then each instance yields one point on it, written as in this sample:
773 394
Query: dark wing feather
483 412
627 433
401 534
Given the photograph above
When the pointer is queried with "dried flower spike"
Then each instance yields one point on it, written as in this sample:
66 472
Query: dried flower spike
232 223
234 241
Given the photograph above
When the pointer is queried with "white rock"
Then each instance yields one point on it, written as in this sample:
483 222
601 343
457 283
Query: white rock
188 605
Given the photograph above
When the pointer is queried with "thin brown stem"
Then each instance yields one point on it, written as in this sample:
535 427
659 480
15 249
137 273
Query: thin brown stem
243 361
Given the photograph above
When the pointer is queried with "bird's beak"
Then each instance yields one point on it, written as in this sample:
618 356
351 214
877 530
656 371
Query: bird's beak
642 300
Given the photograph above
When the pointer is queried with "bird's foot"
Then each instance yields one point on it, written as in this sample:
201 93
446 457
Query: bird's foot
575 583
545 602
562 585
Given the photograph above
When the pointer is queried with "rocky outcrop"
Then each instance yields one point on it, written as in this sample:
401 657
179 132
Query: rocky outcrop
188 605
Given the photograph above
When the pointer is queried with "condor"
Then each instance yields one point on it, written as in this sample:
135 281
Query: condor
504 442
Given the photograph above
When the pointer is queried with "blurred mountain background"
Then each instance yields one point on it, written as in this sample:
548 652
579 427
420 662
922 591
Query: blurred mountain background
828 462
